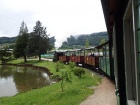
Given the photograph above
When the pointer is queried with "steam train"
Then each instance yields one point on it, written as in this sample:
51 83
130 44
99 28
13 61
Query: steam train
93 57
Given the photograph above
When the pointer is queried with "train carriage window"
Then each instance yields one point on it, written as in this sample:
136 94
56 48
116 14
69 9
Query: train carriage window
107 60
100 52
103 50
107 50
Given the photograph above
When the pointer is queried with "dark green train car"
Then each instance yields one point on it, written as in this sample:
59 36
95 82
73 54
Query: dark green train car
105 59
122 19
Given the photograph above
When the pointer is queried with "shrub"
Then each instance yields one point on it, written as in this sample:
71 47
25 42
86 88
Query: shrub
59 65
79 72
71 65
65 76
55 59
55 77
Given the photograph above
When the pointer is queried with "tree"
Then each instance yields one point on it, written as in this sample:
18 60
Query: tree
5 55
38 42
71 40
21 42
23 28
87 43
52 42
78 41
65 76
102 41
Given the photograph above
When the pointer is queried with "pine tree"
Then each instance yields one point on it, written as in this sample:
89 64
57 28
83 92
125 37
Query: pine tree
87 43
39 41
21 42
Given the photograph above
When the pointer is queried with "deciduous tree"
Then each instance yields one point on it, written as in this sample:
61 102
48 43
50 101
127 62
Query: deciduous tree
102 41
5 55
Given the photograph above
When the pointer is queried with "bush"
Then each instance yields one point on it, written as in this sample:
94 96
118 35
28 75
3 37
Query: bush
55 59
65 76
79 72
71 65
55 77
59 65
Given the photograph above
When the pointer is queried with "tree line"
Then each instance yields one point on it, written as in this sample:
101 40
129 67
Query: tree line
84 40
9 42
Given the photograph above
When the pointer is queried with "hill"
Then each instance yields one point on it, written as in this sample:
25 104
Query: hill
9 40
78 41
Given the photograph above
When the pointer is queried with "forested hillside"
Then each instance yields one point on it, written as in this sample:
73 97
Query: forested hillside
80 41
10 40
74 41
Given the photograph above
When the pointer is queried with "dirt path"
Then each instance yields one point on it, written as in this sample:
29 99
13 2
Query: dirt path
104 94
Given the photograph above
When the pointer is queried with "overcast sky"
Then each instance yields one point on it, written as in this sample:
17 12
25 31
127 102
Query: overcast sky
61 17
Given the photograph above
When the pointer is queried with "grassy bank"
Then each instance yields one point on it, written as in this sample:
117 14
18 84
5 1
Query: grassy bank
73 93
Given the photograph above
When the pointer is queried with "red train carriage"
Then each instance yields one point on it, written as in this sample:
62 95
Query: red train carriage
90 59
95 57
72 55
57 55
86 57
65 57
79 59
77 56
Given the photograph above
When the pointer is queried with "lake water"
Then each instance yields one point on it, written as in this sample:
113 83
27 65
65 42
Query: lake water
15 79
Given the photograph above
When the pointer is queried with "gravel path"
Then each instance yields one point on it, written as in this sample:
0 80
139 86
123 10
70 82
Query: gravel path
104 94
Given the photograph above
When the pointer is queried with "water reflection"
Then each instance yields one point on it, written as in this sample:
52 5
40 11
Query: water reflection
15 79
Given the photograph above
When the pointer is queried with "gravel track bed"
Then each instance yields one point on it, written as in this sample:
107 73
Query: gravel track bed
104 94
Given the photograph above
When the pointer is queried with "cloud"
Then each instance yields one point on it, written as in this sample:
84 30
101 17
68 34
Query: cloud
61 17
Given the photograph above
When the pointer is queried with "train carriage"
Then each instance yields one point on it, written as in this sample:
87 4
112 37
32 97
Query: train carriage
79 59
76 56
122 19
94 57
104 59
72 55
90 59
65 57
60 55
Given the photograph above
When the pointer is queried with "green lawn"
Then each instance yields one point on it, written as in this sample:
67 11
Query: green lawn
74 92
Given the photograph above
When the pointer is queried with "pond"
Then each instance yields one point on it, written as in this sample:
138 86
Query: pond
14 79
